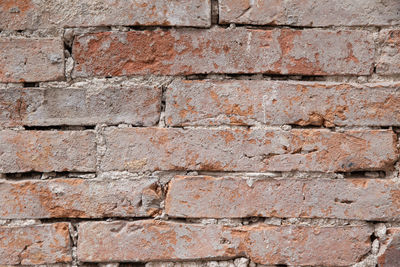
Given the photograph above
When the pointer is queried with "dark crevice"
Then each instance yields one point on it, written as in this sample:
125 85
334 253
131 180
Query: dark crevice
60 128
100 219
39 175
132 264
30 84
258 76
363 174
214 12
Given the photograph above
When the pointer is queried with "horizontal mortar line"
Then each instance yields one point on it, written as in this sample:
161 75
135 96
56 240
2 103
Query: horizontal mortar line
275 127
221 221
240 175
248 221
97 219
235 25
213 77
21 176
63 127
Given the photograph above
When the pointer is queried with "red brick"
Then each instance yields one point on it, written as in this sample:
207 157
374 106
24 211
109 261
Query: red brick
149 149
138 105
36 244
234 197
390 257
389 59
282 102
79 198
310 12
39 14
157 241
31 60
47 151
219 50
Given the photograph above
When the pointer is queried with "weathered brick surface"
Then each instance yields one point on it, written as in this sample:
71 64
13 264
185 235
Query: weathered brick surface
264 244
282 102
390 257
218 50
310 12
39 14
361 199
389 59
140 149
47 151
79 198
37 244
138 105
31 60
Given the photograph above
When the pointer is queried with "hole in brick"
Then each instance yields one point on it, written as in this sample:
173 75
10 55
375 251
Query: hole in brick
26 85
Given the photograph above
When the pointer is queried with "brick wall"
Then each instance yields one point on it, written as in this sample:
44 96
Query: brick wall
219 133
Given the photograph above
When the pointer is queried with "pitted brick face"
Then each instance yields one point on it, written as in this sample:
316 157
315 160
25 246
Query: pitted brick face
218 50
47 151
258 150
317 13
79 198
38 244
31 60
276 103
236 197
264 244
34 14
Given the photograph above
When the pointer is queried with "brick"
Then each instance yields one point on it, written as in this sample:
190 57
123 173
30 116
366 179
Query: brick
36 244
250 102
79 198
150 149
31 60
234 197
137 105
157 240
219 50
389 59
310 12
39 14
390 257
47 151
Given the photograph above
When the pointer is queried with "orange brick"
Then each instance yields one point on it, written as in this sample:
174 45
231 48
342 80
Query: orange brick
219 50
159 241
255 150
36 244
235 197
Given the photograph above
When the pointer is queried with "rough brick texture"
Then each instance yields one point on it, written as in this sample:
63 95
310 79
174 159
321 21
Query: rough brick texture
143 149
192 133
37 244
79 198
391 255
31 60
47 151
282 102
218 50
362 199
317 13
152 241
29 14
389 60
138 105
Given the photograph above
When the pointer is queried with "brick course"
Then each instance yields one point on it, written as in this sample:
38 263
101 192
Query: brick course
218 50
